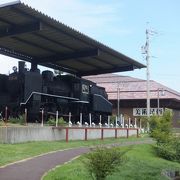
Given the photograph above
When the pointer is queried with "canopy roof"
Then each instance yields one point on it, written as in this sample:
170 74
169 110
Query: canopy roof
29 35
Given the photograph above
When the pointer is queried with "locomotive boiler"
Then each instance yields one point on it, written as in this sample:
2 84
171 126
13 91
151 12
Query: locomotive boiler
63 93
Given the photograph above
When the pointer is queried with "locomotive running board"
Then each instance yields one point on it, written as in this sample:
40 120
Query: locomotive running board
85 102
50 95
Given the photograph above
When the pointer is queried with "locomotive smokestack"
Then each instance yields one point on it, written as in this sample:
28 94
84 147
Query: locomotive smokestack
34 67
21 66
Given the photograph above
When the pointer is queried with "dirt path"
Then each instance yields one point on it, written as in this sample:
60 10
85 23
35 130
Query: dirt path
33 169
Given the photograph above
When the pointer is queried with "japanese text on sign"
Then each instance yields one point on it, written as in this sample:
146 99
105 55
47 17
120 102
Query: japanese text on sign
143 111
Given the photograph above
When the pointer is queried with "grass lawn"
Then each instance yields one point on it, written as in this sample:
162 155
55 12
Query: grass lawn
142 164
14 152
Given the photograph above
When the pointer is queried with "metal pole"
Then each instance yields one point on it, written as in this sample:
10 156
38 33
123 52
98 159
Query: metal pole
148 74
6 115
42 116
118 100
158 102
25 116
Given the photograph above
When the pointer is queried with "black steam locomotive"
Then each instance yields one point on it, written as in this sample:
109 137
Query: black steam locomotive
63 93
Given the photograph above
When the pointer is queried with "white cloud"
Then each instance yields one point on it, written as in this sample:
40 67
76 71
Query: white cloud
7 64
97 19
92 18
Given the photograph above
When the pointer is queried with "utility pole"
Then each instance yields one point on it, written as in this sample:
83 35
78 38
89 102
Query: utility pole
118 100
145 50
148 73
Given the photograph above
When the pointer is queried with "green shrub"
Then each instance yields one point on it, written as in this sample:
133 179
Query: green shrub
166 151
169 150
168 146
161 137
62 122
154 124
113 119
19 120
103 161
52 122
160 127
176 146
144 122
1 123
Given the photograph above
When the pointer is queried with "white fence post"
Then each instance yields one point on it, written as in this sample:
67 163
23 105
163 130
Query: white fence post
25 116
57 114
42 117
80 119
123 122
100 120
116 121
129 122
90 120
70 123
135 123
109 121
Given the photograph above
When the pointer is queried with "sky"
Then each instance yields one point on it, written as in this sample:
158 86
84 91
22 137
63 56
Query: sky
121 25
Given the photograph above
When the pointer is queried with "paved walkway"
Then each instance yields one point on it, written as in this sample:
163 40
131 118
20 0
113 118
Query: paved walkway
33 169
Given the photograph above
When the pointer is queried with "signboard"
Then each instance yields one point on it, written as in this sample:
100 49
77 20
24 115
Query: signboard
143 111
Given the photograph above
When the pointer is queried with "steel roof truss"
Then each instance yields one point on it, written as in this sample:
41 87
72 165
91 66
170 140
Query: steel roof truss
35 45
14 30
52 41
104 71
71 55
14 54
61 68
